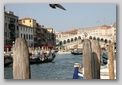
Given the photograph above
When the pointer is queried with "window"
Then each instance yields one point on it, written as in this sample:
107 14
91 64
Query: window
23 21
21 28
26 36
5 34
31 37
21 36
6 25
17 28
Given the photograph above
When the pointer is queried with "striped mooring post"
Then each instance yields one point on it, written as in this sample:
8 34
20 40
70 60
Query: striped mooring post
21 66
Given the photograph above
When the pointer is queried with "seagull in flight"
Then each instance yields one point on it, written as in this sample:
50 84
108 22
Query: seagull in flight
57 5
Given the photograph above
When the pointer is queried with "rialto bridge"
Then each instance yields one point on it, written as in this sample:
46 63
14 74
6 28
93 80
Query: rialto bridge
77 40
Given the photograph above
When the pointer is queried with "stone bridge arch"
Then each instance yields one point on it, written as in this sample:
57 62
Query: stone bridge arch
79 37
75 39
90 37
64 42
94 38
68 40
72 40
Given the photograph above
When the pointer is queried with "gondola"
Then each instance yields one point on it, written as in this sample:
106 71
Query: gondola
77 52
38 60
8 61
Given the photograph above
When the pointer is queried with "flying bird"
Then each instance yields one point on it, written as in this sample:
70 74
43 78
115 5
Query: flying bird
57 5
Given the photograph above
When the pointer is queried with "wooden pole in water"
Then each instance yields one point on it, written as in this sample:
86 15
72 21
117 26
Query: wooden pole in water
96 54
87 59
111 61
21 67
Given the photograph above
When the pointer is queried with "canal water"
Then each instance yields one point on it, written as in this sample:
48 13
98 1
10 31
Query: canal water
60 68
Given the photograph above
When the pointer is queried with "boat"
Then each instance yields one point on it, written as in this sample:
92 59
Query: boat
38 60
76 52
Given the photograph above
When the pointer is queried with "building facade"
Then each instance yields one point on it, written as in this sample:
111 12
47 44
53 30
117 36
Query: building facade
41 36
44 36
51 36
66 34
28 22
10 28
27 33
104 31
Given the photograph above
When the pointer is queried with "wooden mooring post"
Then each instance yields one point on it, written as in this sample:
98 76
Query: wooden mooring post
96 56
87 59
91 59
111 61
21 66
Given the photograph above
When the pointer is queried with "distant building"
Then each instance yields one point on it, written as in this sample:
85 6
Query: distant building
28 22
44 36
66 34
104 30
27 33
51 36
41 36
50 30
10 28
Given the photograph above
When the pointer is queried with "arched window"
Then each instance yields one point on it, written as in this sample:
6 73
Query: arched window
106 41
98 39
79 37
82 40
68 41
64 41
21 35
60 43
90 37
24 36
109 41
75 38
102 39
71 39
94 38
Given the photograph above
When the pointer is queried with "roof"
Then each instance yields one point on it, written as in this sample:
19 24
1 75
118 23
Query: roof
10 13
27 18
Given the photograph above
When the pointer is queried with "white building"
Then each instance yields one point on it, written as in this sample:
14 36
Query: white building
27 33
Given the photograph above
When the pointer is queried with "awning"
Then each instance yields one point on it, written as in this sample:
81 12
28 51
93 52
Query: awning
7 46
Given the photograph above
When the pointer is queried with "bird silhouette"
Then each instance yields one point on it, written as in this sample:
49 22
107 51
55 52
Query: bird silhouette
57 5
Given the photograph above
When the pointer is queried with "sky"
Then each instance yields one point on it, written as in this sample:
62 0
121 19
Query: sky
77 15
